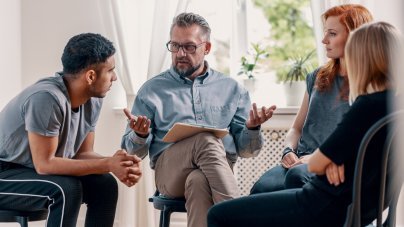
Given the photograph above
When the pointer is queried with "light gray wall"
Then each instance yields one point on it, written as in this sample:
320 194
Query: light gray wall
10 49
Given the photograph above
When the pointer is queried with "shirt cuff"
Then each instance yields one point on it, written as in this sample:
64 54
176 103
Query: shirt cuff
252 132
137 139
255 128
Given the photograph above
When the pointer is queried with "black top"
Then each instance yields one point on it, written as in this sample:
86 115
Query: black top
342 148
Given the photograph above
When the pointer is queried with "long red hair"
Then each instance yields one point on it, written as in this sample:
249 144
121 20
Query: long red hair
351 16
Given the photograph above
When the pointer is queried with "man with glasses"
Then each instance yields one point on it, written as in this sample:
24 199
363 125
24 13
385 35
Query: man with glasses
198 168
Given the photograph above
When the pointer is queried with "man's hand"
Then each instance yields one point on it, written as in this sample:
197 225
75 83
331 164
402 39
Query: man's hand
125 167
258 117
335 174
140 124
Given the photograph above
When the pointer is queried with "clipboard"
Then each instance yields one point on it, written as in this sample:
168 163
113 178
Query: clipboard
180 131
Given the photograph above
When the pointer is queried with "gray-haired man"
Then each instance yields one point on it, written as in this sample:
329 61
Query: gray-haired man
198 167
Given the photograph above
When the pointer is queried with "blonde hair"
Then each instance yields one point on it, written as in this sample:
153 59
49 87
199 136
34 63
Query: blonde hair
351 16
370 52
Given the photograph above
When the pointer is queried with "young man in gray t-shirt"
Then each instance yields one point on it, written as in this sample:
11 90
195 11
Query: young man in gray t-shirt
47 137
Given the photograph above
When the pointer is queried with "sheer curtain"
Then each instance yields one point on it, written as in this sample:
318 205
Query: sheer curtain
140 29
239 39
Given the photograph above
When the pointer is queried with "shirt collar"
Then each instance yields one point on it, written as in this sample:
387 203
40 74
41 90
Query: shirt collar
200 79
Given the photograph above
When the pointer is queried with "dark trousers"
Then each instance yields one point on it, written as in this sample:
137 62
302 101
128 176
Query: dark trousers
285 208
21 188
279 178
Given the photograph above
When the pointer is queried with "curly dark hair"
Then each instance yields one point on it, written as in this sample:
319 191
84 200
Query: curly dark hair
85 50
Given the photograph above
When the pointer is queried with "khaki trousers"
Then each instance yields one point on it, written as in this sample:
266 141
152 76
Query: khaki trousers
196 168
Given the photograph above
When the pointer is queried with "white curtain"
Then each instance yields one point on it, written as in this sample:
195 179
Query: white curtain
239 39
164 12
139 29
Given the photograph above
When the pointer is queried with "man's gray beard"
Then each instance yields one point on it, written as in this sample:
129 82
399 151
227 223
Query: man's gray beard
188 72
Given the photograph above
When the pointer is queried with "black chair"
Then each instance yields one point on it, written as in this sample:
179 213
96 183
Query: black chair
166 207
22 217
389 195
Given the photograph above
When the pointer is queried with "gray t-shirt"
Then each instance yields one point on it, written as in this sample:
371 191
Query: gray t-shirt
325 112
44 108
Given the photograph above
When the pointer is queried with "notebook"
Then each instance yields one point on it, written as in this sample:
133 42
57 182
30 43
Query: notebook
180 131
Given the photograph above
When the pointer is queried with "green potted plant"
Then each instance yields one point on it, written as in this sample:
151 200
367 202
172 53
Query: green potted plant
297 68
293 77
249 64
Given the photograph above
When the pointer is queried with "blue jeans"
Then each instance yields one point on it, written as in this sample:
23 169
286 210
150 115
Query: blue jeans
279 178
289 208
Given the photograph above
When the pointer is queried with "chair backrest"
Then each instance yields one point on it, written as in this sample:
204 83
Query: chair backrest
393 182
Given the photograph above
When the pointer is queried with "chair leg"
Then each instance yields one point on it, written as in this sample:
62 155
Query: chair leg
165 217
23 221
391 217
161 219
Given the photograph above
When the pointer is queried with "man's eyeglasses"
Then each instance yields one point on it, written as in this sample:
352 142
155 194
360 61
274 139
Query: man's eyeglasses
187 48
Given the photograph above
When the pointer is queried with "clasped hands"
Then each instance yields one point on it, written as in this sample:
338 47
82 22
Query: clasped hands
335 173
126 167
290 160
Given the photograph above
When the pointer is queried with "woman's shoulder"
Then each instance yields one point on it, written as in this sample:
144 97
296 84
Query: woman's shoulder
313 74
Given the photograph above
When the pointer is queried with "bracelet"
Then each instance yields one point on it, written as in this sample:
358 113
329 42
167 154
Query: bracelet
287 150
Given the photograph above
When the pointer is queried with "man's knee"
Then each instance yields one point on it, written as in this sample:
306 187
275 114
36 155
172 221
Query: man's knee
110 185
208 145
100 186
206 138
196 181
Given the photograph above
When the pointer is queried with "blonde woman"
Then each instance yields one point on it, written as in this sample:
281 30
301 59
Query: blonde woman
324 199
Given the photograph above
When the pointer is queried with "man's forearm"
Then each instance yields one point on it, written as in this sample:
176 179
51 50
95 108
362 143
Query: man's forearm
88 155
73 167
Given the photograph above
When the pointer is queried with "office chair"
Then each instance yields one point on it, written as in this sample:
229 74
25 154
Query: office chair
166 207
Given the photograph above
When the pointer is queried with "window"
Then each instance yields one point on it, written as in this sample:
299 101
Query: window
282 29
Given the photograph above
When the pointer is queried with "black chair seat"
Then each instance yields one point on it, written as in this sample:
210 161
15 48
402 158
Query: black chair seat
167 206
22 217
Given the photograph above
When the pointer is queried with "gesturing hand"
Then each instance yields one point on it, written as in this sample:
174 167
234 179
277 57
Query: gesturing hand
140 124
258 117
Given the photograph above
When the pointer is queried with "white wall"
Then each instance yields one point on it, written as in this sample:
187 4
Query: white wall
10 49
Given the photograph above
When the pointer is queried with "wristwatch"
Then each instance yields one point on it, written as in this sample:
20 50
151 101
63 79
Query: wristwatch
287 150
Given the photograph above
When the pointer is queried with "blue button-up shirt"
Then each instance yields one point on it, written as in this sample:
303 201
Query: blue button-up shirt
212 99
